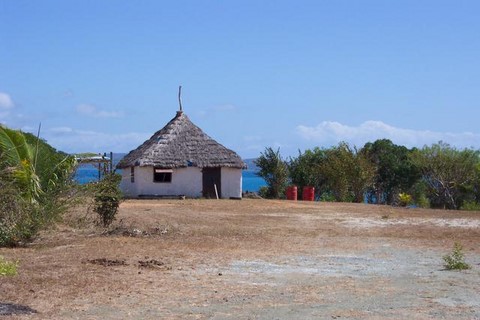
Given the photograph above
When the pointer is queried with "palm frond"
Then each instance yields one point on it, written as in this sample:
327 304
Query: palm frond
14 147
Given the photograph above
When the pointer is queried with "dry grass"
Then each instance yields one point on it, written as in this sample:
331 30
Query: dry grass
194 250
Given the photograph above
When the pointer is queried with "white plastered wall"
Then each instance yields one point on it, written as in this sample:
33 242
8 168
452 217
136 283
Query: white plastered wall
231 183
185 181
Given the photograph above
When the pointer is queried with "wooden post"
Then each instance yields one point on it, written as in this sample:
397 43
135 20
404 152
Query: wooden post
216 191
180 97
111 161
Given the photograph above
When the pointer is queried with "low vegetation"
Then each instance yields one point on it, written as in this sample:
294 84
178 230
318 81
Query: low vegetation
7 268
275 172
107 197
35 180
456 259
437 176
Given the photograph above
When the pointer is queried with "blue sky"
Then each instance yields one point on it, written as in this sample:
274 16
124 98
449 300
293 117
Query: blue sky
104 75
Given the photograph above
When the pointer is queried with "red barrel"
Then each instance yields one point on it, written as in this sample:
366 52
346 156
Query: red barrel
308 193
292 193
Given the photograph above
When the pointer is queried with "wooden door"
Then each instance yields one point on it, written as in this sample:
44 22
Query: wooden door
212 177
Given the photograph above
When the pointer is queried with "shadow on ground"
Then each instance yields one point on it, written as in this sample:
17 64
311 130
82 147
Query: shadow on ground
7 309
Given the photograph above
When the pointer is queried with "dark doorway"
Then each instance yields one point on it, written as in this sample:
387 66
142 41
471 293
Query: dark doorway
212 177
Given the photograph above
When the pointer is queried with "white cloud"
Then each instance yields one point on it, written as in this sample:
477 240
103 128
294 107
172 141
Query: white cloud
61 130
5 101
72 140
330 133
90 110
6 104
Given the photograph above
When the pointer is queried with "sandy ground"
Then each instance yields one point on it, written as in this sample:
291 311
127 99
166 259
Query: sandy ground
249 259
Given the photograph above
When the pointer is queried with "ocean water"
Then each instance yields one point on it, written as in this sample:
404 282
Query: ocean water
250 181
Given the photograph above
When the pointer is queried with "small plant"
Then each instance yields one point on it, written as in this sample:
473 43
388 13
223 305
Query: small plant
404 199
107 198
327 197
456 260
7 268
263 192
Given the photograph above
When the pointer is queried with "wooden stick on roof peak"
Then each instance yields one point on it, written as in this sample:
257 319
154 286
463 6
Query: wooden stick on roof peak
180 97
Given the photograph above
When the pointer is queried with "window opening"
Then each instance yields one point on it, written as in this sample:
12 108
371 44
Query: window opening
162 175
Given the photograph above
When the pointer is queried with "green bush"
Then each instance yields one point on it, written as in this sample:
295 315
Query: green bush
263 192
327 197
7 268
17 219
274 170
471 206
107 197
34 183
456 259
404 199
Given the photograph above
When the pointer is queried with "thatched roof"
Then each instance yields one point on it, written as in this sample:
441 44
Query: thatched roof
181 144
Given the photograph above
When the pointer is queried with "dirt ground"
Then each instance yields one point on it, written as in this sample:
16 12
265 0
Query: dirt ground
249 259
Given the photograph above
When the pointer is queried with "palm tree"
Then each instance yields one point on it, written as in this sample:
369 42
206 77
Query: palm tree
17 160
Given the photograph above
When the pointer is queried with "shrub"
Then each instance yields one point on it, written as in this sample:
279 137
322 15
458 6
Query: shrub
456 259
327 197
263 192
34 184
107 197
419 193
404 199
7 268
17 223
274 170
471 206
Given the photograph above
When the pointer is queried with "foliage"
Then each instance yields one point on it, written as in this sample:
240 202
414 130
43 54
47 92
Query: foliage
15 217
348 173
306 170
263 192
274 170
404 199
107 197
17 161
419 194
394 172
35 180
437 176
456 259
471 205
7 268
327 197
447 172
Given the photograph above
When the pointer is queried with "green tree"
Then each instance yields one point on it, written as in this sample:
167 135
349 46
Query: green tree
348 173
274 170
306 169
449 173
394 172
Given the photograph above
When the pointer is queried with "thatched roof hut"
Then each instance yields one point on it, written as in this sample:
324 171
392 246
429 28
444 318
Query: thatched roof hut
181 144
180 159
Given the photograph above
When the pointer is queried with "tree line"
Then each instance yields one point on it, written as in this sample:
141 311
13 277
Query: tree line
381 172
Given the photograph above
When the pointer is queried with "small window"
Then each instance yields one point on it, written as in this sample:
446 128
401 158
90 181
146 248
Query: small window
162 175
